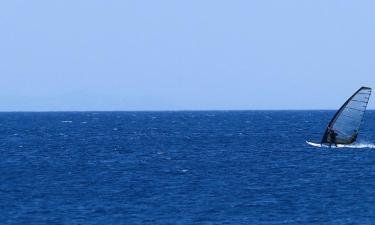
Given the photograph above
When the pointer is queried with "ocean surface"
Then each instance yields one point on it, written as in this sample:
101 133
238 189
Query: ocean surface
208 167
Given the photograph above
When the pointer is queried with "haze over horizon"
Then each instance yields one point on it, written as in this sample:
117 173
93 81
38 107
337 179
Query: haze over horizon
175 55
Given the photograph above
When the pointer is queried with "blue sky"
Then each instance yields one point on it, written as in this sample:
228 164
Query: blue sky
175 55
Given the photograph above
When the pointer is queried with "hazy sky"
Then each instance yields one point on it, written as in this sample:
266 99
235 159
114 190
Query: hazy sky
172 55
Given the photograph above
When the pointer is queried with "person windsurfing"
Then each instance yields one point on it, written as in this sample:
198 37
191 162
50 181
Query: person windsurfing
355 135
332 137
344 126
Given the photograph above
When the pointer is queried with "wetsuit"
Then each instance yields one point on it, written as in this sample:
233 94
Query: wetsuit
332 136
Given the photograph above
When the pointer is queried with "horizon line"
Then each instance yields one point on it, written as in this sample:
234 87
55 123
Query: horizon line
162 110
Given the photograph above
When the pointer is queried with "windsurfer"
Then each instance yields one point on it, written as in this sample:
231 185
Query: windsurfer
332 137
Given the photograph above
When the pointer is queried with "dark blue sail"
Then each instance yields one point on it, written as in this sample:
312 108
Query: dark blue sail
345 124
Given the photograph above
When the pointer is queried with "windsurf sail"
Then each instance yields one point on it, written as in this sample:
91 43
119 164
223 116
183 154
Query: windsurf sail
346 122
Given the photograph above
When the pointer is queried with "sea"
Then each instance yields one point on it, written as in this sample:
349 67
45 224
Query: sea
184 167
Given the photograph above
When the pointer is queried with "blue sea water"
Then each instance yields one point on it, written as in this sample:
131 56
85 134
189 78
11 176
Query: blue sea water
209 167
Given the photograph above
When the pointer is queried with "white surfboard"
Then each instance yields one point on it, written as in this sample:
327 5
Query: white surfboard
318 145
314 144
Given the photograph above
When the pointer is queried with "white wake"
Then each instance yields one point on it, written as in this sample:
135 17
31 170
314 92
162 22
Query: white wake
355 145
